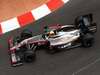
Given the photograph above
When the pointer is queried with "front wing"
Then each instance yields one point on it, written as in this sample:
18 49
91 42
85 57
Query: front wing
14 54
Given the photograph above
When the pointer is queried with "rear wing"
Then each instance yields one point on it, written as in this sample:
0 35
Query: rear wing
93 28
86 21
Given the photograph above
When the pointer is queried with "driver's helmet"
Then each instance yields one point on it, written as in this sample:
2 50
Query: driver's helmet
51 33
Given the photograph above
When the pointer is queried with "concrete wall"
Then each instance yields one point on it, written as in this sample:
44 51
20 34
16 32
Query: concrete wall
12 8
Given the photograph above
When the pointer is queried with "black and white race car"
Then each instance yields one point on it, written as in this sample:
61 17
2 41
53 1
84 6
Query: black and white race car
55 38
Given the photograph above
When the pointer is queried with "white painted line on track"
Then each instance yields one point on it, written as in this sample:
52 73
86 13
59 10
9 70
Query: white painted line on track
86 67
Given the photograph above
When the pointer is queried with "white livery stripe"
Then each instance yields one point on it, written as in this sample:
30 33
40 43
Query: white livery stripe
40 12
65 1
9 25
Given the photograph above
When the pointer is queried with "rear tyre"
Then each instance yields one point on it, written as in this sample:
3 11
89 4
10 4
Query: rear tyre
87 40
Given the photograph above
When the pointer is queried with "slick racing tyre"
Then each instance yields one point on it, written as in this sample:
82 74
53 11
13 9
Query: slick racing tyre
87 40
26 34
29 56
16 40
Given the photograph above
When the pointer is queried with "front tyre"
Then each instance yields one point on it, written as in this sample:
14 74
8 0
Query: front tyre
26 34
29 56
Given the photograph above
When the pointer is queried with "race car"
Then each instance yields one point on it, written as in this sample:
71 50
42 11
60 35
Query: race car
55 38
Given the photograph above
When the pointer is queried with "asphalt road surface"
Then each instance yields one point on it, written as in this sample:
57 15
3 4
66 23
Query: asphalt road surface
79 61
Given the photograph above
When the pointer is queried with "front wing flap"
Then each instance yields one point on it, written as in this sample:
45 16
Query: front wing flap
15 55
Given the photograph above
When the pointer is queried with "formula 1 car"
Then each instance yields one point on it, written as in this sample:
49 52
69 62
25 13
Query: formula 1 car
55 38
